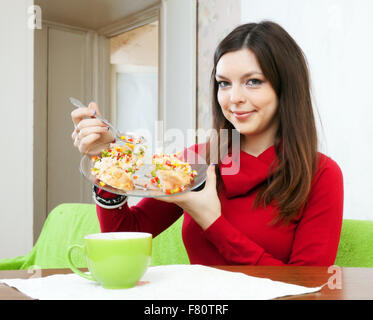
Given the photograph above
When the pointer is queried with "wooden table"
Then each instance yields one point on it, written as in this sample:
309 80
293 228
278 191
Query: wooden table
356 283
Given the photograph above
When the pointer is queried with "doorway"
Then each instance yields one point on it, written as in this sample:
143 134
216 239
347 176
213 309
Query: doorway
76 61
134 57
134 79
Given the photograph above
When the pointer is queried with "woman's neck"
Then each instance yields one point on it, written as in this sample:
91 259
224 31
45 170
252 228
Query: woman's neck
255 145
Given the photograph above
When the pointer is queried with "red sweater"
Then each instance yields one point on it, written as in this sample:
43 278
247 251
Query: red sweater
243 235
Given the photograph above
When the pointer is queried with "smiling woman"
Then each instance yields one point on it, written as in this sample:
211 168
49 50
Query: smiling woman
265 95
247 96
284 204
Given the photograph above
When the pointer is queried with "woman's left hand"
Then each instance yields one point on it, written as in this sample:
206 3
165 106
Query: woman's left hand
203 206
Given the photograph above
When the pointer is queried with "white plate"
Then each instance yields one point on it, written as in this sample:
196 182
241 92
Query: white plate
144 176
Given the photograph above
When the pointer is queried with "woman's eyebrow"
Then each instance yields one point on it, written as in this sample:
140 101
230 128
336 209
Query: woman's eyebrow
248 74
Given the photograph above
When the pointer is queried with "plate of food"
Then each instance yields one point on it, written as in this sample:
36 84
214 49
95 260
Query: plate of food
121 169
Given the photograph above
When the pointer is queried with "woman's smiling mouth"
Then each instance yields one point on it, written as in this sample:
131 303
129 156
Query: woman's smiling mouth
240 115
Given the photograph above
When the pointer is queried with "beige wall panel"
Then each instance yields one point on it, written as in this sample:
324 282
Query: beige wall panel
66 77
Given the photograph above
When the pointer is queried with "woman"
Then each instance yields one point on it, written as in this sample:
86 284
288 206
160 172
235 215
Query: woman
284 206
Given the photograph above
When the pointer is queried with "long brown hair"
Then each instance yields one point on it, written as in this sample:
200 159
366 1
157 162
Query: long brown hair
284 66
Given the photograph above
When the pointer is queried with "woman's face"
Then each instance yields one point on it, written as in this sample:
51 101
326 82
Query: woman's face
247 99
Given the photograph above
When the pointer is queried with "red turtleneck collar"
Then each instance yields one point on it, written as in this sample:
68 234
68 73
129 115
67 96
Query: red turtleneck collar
247 173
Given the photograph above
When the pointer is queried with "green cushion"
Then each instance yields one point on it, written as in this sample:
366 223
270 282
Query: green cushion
356 244
168 247
68 223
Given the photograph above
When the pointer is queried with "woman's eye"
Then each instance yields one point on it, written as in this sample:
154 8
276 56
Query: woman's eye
223 84
254 82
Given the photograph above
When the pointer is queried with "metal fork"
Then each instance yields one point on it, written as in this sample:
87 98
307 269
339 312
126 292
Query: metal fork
138 141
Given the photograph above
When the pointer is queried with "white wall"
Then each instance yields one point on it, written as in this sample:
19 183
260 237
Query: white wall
16 130
336 36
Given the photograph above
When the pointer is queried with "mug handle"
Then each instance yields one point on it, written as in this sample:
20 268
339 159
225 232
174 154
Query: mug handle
72 266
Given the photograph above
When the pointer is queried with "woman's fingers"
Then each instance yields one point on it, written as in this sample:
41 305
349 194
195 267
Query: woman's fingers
211 177
79 114
177 198
86 138
87 123
74 135
90 134
86 144
94 108
91 130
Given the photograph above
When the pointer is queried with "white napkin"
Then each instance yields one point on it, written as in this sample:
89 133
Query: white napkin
171 282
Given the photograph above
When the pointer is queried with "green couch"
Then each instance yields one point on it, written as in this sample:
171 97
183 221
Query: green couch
68 224
356 244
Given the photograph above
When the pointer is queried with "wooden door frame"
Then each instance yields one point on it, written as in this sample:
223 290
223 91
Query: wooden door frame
91 91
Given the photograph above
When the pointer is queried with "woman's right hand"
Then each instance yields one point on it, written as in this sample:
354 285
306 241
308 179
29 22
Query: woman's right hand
90 135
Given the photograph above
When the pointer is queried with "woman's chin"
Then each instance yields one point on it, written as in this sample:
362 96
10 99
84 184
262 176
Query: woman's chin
244 130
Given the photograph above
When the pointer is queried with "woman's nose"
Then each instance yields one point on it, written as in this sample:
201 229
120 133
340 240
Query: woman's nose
237 95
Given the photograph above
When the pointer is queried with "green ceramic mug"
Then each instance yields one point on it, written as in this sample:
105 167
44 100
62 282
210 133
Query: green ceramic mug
116 260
